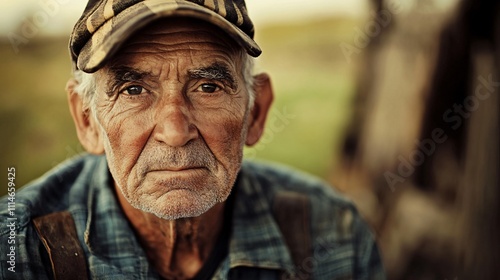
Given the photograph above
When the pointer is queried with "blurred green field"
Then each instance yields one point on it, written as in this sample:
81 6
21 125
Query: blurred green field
312 80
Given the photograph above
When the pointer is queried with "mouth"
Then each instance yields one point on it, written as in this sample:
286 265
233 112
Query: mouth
177 168
185 175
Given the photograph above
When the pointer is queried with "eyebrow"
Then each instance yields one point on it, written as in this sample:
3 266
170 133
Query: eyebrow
125 74
216 71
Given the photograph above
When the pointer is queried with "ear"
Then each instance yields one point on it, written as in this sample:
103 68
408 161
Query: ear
263 100
86 127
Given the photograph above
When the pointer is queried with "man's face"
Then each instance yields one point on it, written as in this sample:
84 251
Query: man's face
173 110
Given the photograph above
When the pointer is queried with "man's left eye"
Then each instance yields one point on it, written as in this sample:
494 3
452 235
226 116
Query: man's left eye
208 88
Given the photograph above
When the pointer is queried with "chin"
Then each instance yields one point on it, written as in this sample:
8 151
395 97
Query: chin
178 204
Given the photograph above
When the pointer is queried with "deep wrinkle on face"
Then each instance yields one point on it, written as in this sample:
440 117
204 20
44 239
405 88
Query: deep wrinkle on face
173 115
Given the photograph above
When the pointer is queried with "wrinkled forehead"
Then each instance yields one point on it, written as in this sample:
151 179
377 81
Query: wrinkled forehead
167 35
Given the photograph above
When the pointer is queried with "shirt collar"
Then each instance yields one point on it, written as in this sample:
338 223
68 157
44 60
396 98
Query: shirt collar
256 238
108 235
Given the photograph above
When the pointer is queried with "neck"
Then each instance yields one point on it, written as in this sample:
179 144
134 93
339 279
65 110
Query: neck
176 248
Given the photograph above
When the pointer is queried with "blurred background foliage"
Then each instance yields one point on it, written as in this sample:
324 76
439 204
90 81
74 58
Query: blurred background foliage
37 130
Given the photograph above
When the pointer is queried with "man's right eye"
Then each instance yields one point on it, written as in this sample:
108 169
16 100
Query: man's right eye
133 90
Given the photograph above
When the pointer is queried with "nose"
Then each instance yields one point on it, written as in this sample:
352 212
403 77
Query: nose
173 124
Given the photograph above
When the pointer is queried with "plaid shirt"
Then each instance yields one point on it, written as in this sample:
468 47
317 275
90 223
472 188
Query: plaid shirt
343 247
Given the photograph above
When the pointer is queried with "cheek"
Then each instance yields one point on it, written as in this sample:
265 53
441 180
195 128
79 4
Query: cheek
125 138
223 134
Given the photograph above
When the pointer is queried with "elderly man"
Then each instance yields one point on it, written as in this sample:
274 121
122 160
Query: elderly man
164 99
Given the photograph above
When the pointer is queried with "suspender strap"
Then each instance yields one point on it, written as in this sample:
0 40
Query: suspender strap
58 234
292 212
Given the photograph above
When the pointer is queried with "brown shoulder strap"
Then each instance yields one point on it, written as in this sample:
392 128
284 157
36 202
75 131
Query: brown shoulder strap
57 232
292 213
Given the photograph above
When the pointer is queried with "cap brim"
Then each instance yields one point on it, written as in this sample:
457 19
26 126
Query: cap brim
109 37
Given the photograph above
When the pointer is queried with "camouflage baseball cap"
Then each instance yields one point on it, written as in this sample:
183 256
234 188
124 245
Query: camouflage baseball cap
106 24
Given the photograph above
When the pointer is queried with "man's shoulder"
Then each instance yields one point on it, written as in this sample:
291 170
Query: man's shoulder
62 188
343 244
51 192
276 177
